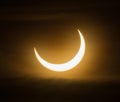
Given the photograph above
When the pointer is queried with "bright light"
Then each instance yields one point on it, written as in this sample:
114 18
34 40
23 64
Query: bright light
64 66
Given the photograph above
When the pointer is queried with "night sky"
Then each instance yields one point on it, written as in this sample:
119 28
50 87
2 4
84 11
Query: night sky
51 27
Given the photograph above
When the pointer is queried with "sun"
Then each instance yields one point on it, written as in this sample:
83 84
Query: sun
67 65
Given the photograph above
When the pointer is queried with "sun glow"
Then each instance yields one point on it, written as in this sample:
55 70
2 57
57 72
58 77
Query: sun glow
68 65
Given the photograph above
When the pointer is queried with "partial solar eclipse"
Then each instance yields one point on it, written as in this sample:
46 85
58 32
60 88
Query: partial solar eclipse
68 65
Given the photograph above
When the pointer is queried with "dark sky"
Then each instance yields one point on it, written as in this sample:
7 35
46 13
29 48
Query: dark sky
51 27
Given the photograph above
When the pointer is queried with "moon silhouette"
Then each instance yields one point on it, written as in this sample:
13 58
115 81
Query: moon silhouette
68 65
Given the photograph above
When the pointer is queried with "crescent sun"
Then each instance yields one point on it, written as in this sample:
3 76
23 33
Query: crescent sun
68 65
